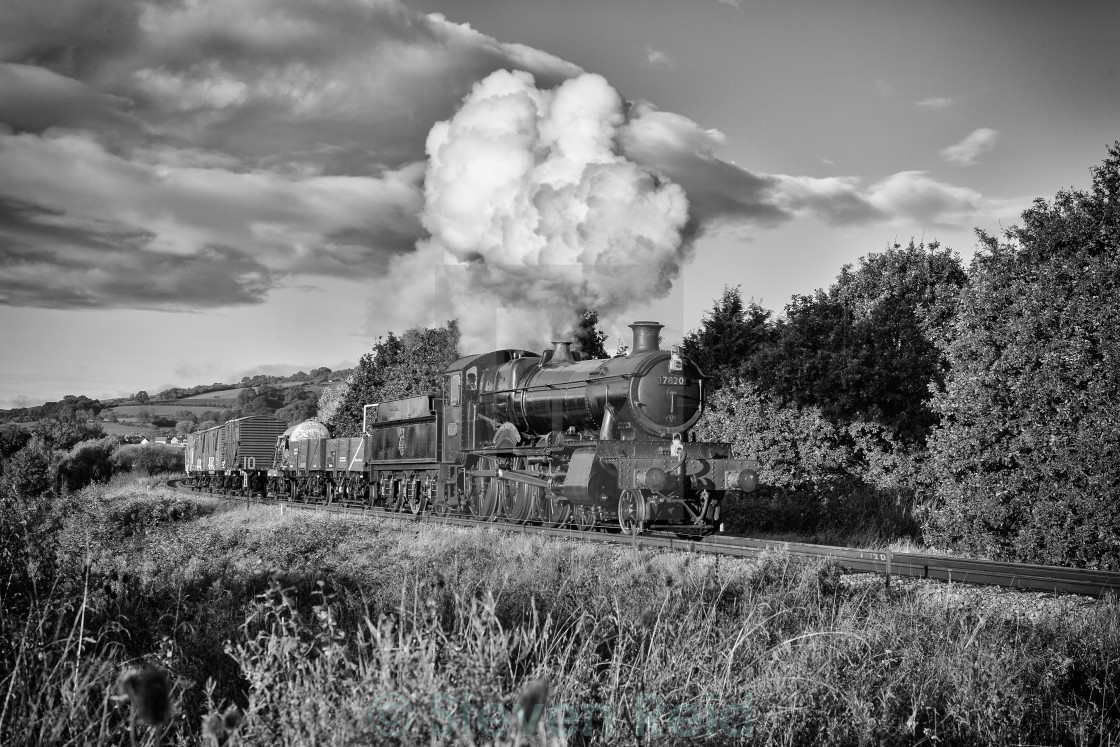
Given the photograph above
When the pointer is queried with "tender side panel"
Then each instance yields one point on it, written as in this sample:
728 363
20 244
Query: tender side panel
406 441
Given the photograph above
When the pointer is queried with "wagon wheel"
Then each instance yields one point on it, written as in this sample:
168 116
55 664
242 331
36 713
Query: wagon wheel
482 495
517 500
419 500
632 511
395 501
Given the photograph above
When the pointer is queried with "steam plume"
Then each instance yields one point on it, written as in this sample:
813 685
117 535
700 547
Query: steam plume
530 208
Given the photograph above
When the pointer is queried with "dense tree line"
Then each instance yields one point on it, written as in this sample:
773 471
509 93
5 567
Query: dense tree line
990 396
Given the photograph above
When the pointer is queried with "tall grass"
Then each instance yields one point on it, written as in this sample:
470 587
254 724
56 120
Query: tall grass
305 629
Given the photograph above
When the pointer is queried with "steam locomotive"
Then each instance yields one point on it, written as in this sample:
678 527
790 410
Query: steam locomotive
514 436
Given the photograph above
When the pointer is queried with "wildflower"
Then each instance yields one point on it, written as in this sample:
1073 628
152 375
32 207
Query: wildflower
148 689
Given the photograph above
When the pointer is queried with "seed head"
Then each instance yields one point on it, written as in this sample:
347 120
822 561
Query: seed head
149 690
535 694
232 718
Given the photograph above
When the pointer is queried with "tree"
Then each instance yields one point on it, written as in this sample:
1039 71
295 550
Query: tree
141 398
1028 451
12 439
587 338
397 367
729 334
27 474
864 349
63 435
331 398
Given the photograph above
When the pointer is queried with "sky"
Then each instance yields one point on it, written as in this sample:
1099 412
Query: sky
192 191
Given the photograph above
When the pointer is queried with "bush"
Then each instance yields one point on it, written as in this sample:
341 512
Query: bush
27 474
152 458
817 476
1028 453
89 461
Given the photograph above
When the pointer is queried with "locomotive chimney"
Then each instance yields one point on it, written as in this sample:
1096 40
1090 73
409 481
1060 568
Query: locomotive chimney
646 337
562 352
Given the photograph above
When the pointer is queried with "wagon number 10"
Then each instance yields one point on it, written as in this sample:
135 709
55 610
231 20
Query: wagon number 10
248 462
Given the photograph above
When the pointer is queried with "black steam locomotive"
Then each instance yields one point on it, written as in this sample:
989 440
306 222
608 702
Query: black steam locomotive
520 437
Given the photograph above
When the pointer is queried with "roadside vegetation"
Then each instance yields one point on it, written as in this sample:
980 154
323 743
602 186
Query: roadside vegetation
133 613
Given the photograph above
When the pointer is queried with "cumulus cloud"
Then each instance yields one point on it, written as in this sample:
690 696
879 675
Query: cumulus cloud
935 102
967 151
530 206
264 138
723 197
657 58
195 154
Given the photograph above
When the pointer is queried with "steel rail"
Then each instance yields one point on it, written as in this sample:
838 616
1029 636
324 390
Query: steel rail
1043 578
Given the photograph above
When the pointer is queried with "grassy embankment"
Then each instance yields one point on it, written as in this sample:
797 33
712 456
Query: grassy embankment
306 621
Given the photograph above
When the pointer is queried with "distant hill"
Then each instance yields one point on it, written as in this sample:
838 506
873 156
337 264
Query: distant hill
181 409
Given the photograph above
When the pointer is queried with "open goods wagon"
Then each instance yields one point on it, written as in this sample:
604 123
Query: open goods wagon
236 454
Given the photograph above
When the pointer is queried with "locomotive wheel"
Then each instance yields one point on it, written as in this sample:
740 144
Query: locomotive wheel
517 498
482 500
632 511
551 511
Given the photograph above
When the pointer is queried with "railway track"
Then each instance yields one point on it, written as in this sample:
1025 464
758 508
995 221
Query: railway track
1044 578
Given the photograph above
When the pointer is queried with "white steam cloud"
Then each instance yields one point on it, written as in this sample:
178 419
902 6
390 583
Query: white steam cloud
533 213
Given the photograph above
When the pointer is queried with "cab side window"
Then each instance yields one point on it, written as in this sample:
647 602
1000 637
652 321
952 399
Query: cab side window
455 385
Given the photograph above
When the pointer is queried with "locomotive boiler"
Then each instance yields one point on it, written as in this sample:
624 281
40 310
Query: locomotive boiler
525 437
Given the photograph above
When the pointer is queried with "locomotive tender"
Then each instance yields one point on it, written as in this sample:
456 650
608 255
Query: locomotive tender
514 436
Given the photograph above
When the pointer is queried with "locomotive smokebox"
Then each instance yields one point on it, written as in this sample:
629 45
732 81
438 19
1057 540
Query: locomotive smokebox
646 337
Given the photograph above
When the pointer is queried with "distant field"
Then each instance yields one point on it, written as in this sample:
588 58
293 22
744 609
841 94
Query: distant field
170 408
124 429
223 394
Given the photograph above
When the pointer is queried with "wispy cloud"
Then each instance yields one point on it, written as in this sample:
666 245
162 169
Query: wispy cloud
935 102
657 58
736 4
967 151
